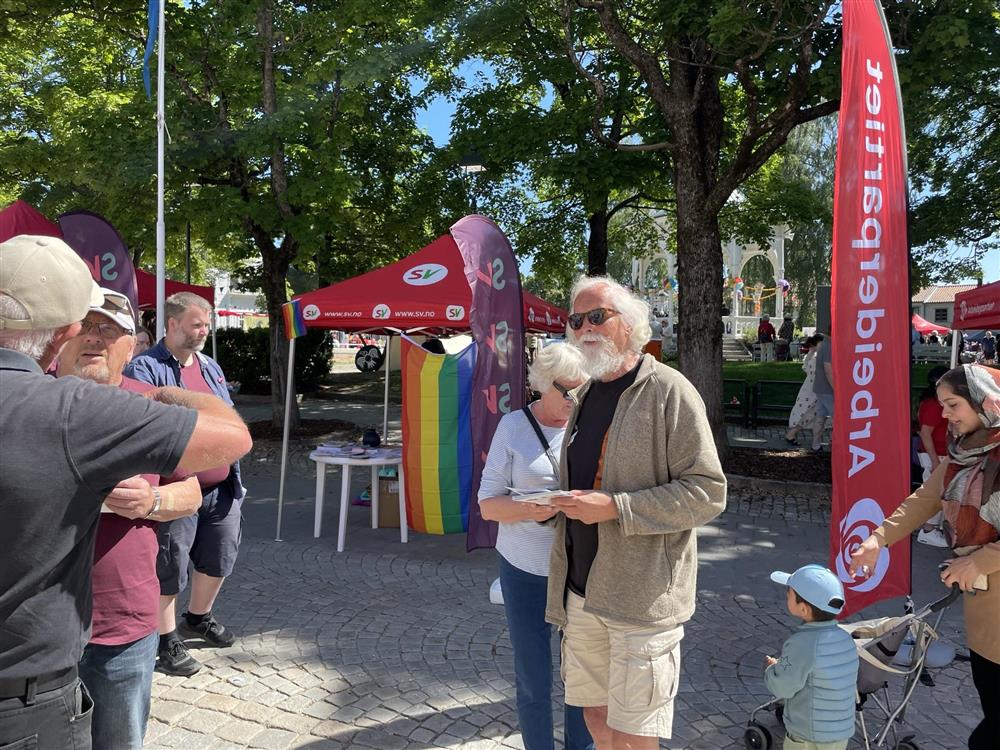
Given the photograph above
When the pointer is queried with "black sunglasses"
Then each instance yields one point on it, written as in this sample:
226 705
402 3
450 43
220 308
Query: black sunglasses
596 317
563 390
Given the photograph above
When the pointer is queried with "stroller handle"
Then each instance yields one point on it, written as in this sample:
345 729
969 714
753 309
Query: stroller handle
947 600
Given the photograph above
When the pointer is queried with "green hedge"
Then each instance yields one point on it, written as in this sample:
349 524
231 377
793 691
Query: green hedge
245 356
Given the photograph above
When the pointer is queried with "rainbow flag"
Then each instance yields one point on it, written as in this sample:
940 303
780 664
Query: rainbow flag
295 324
437 438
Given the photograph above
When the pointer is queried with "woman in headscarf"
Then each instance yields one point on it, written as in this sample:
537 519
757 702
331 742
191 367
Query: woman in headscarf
966 488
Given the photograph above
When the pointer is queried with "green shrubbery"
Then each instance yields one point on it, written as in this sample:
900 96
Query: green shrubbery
245 356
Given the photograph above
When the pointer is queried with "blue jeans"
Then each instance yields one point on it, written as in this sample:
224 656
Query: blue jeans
120 679
524 597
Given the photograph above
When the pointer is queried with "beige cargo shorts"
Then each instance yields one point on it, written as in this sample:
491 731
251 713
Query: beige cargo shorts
633 670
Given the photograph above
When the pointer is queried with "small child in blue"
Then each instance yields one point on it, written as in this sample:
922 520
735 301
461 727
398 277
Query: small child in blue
817 672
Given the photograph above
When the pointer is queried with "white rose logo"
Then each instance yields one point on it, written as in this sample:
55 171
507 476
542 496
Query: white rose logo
310 312
964 309
531 314
548 318
863 518
381 312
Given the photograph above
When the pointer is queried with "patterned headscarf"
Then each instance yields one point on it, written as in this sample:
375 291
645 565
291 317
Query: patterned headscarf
972 480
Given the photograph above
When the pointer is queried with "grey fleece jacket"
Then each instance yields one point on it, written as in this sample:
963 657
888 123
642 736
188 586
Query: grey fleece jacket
663 471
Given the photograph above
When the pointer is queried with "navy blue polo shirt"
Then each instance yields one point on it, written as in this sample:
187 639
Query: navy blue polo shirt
64 444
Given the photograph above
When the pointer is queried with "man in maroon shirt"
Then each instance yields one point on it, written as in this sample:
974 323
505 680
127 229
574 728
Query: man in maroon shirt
117 664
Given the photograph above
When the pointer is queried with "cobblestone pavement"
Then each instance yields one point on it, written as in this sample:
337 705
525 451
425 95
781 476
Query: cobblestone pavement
396 646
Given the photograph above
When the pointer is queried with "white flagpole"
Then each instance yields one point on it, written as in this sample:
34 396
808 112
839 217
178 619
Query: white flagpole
161 232
289 390
385 403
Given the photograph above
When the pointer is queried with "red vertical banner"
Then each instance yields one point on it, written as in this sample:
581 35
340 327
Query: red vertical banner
870 308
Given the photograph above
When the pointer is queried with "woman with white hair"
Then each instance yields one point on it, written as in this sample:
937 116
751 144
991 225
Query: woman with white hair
524 455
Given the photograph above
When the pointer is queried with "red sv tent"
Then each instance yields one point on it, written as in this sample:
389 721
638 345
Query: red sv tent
426 291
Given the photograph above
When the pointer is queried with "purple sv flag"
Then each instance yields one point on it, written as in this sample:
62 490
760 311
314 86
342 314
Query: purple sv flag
103 250
497 325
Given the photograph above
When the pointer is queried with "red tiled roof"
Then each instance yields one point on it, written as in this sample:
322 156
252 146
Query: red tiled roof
940 294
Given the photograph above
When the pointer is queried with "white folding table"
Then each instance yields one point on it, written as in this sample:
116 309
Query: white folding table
393 457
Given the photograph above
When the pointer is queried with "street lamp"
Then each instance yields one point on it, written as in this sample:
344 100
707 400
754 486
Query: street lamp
472 163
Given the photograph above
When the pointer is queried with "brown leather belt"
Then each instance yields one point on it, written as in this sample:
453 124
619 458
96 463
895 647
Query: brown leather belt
29 687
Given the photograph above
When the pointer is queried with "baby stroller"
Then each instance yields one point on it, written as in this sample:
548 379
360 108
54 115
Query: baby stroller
877 642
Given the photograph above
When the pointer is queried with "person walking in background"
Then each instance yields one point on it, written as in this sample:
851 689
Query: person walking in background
967 488
804 411
210 539
989 347
934 449
642 473
823 389
524 455
765 337
117 664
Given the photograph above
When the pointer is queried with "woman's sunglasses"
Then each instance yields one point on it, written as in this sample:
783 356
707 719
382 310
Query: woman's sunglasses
563 390
596 317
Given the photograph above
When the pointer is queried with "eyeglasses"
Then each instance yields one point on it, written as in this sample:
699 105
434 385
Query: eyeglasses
596 317
563 390
107 331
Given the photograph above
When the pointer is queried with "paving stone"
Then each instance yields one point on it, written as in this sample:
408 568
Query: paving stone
273 739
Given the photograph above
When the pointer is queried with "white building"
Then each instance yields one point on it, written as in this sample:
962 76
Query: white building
936 304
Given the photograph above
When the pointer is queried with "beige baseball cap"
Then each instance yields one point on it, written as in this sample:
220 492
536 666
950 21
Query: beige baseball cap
51 281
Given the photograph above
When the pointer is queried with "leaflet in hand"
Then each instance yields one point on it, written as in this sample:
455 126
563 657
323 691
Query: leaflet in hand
539 498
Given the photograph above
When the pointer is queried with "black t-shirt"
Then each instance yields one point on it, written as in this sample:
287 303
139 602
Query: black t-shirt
583 457
64 444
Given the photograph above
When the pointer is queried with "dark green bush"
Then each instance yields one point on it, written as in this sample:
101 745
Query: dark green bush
245 356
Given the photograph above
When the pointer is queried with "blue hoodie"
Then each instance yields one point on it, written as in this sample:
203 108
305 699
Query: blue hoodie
817 677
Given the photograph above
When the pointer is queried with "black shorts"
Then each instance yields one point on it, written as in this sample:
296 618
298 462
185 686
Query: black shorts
209 540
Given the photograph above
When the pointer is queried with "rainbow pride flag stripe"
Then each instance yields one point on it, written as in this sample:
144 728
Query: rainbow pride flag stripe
437 438
295 324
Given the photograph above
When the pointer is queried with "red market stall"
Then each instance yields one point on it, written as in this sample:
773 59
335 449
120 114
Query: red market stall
464 281
22 218
426 292
925 326
977 309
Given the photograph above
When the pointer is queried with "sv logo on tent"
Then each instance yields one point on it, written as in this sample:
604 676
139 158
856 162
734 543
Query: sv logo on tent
425 274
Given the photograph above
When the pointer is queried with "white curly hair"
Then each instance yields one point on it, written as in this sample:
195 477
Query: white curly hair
556 361
634 311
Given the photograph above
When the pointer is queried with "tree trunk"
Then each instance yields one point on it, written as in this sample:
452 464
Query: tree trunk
275 271
697 133
597 242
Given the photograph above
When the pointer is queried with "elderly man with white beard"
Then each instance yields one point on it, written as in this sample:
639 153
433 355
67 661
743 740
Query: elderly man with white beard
643 473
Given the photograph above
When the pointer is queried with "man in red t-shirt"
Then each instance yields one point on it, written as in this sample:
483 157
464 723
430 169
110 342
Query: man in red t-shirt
934 449
765 337
117 664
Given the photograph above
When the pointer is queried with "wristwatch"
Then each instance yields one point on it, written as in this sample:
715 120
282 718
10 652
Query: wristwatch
157 501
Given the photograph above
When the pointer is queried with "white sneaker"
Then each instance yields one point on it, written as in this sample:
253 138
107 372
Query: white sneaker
932 538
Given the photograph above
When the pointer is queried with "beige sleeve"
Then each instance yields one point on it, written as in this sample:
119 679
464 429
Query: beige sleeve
916 509
987 558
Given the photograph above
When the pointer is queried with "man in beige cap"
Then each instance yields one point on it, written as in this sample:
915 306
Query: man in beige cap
65 445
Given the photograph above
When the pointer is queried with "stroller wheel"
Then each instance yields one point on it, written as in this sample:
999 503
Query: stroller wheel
756 737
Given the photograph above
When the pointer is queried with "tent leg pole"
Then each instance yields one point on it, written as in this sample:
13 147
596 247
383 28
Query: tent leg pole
385 403
215 325
954 347
289 391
